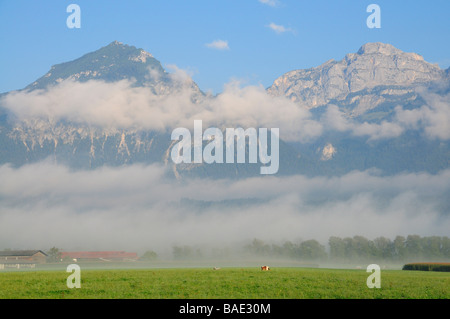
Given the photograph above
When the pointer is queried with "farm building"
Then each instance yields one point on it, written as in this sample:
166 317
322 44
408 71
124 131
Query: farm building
98 256
21 258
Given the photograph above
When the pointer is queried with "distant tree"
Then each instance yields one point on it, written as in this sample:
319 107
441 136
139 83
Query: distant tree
431 247
258 247
363 247
350 252
337 248
383 247
312 250
182 252
399 248
277 250
149 255
54 254
445 247
289 249
414 246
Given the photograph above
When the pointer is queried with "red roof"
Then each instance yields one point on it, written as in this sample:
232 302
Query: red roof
99 254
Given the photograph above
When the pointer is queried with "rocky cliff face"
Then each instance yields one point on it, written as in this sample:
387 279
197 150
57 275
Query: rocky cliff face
374 65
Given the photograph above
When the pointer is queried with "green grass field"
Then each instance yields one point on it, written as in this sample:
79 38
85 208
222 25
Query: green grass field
228 283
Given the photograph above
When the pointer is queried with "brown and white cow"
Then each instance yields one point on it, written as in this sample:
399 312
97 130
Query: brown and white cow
265 268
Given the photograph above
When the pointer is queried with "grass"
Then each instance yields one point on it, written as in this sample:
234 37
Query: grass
227 283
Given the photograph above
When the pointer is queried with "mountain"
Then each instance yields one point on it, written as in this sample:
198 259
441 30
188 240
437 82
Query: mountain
114 62
87 146
374 66
365 86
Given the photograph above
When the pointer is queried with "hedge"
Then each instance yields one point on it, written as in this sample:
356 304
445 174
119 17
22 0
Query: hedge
427 266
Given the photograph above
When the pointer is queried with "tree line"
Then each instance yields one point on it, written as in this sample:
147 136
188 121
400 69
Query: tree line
341 250
359 248
337 249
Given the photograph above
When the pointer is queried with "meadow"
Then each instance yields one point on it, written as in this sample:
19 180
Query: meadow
225 283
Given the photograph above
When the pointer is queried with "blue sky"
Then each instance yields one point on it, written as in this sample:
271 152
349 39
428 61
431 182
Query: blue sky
34 35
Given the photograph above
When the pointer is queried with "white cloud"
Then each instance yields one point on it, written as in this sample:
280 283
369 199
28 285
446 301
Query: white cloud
334 119
272 3
119 105
218 45
433 118
279 28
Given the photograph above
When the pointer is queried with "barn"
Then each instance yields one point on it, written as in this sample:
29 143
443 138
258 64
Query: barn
21 258
98 256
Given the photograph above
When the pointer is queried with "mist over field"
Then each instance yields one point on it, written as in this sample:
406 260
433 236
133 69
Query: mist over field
139 208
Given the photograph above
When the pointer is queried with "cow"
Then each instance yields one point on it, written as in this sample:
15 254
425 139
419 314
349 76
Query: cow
265 268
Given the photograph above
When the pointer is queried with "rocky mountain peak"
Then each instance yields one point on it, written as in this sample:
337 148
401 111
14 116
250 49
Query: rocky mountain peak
373 65
115 42
113 62
385 50
379 48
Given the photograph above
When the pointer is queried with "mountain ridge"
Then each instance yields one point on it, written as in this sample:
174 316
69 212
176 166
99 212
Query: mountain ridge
113 62
371 101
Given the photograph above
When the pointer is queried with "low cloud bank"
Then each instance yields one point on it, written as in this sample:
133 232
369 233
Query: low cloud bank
432 119
137 208
120 105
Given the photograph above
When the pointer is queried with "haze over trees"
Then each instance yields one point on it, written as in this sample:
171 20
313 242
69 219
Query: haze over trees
341 250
